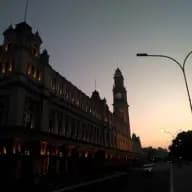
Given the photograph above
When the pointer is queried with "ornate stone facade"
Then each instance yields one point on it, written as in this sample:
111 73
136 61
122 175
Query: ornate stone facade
48 125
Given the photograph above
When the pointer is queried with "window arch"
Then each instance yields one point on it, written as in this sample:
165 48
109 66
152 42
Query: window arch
9 66
3 68
29 69
35 51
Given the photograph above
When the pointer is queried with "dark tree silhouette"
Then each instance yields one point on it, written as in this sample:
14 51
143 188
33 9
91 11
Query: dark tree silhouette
181 146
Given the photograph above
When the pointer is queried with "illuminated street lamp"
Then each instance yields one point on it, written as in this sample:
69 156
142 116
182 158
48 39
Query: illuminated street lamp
181 66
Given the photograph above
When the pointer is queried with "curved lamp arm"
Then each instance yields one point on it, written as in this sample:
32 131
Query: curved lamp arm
165 56
186 59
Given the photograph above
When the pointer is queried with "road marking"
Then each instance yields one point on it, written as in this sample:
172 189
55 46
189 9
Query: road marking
89 182
171 177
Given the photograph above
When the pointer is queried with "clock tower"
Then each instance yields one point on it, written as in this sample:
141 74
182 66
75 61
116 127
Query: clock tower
120 106
120 112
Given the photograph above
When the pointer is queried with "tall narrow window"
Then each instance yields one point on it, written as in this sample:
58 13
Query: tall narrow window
51 121
3 68
32 112
35 51
35 73
28 115
39 76
7 46
9 66
60 123
29 69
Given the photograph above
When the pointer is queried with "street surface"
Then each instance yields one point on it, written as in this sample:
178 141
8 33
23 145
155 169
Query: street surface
163 178
182 178
134 181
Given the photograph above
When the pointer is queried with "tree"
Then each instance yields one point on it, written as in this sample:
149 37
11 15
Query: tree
181 146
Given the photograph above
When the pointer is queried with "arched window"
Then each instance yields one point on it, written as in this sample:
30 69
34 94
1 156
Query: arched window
35 51
9 67
53 84
29 69
34 73
7 46
3 69
39 77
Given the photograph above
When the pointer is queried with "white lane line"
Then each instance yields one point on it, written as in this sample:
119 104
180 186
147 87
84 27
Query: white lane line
89 182
171 178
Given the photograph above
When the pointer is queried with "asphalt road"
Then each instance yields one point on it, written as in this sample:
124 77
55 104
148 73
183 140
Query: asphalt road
124 181
134 181
182 178
127 181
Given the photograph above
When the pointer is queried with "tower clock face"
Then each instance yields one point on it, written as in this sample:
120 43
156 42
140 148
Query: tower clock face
118 96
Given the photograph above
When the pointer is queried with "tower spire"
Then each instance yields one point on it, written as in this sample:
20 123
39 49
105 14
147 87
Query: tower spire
26 9
95 84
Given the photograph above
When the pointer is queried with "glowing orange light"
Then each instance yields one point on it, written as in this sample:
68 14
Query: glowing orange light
60 154
35 74
29 69
3 68
39 78
4 150
10 67
14 150
43 148
86 154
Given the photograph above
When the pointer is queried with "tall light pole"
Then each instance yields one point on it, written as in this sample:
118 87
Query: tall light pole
181 66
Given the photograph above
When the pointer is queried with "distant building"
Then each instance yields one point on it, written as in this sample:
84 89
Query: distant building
154 154
48 125
136 144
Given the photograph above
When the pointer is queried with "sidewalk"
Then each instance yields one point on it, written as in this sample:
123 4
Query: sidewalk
182 178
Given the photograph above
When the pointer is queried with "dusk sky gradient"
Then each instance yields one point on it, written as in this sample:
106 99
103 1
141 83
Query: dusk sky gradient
89 39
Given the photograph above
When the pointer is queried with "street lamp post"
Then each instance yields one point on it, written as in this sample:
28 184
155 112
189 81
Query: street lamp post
181 66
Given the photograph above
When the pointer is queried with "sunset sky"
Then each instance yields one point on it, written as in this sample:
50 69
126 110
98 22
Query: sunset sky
88 39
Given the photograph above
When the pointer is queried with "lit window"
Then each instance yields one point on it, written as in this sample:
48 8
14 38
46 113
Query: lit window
60 154
3 68
4 150
43 148
35 74
86 154
60 91
27 152
29 69
19 148
34 51
10 67
39 77
14 149
53 84
7 46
